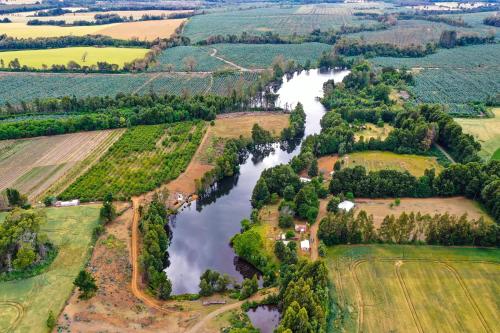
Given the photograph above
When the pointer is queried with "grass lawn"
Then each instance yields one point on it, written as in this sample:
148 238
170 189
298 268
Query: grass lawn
378 160
390 288
25 304
236 124
37 58
486 131
373 131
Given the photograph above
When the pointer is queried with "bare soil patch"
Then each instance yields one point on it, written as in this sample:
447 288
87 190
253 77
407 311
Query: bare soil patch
380 208
325 166
143 30
232 125
33 165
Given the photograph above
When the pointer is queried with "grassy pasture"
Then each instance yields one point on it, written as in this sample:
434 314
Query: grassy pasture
82 55
486 131
34 165
236 124
25 304
458 206
384 288
378 160
141 160
373 131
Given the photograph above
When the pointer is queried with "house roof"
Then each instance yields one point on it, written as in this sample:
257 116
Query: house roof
346 205
304 244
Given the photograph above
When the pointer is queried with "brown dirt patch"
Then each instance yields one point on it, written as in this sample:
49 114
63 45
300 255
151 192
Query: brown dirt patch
325 166
143 30
380 208
235 124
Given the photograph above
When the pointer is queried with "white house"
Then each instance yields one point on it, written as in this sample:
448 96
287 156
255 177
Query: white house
346 205
304 245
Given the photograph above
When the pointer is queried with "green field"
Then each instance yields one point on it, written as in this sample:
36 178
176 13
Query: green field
453 77
176 57
486 131
285 20
84 56
378 160
141 160
25 304
391 288
28 86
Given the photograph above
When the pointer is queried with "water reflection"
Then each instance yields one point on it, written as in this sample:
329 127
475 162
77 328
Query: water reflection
265 317
201 232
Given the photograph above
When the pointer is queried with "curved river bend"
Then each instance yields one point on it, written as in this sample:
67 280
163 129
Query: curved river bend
201 231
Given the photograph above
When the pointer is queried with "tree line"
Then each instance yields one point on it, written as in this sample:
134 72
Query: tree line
439 229
156 236
494 21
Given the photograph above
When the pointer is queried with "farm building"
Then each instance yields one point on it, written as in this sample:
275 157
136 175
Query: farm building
346 205
75 202
305 179
304 245
301 228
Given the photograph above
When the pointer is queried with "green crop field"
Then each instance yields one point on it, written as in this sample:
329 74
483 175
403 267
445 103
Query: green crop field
25 304
17 87
453 77
391 288
486 131
87 56
262 56
141 160
285 20
475 20
176 57
382 160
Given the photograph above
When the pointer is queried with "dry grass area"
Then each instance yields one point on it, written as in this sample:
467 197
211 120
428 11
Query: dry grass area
391 288
143 30
380 208
325 166
33 165
378 160
233 125
373 131
226 126
486 131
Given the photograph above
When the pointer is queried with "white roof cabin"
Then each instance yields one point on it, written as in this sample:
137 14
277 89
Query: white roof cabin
305 179
304 245
75 202
346 205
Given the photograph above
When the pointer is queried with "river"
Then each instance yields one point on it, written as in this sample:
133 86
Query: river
201 231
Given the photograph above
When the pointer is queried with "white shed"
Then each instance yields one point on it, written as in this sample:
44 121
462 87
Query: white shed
346 205
305 179
304 245
75 202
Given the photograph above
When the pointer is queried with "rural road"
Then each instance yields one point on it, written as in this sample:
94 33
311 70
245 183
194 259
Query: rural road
445 153
313 238
214 54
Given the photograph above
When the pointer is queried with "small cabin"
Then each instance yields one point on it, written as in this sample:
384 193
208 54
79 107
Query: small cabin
304 245
301 228
70 203
305 179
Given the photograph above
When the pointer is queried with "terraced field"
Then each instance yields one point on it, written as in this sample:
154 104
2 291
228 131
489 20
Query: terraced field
453 77
285 20
25 304
416 288
28 86
84 56
33 165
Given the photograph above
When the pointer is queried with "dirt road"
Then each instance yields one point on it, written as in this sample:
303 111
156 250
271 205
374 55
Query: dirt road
314 230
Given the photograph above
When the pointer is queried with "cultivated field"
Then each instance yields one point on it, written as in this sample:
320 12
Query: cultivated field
458 206
226 126
143 30
176 57
141 160
25 304
85 56
394 288
28 86
378 160
486 131
33 165
283 20
454 76
263 55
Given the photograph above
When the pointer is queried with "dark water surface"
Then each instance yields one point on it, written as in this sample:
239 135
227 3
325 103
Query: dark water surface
265 317
201 232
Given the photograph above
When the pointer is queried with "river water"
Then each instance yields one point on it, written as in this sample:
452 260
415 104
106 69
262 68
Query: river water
201 231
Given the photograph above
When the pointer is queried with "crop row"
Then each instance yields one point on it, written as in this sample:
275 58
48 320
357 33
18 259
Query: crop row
141 160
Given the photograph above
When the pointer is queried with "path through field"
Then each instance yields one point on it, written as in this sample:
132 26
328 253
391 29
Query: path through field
214 54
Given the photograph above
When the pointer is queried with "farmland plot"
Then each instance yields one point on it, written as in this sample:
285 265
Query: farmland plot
140 161
176 58
25 304
34 165
416 288
283 20
486 131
